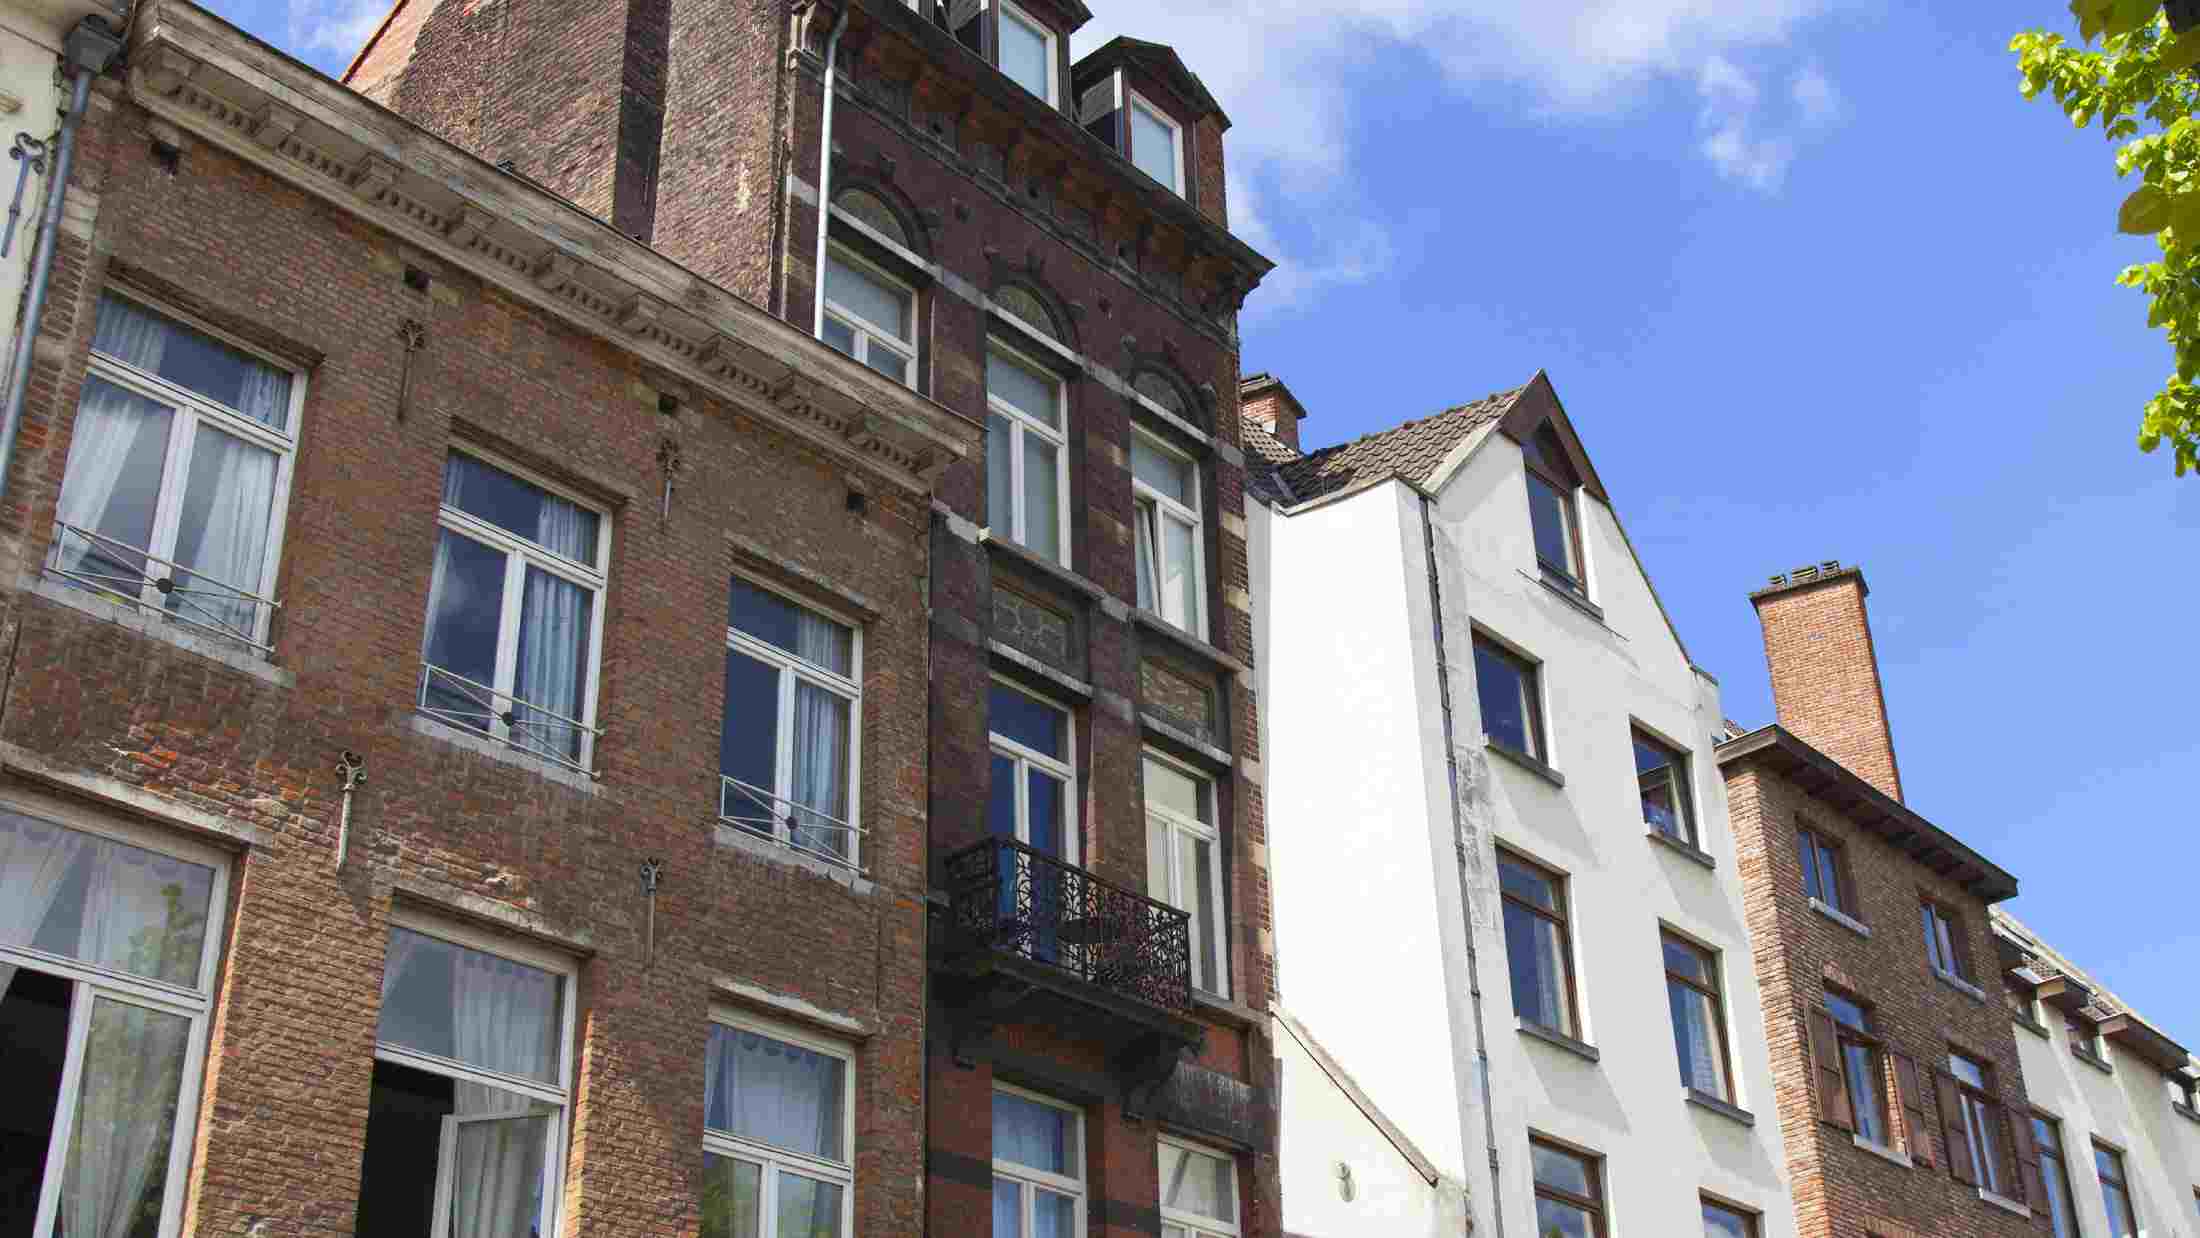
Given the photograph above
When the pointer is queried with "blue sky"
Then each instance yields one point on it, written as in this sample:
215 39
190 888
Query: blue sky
1815 283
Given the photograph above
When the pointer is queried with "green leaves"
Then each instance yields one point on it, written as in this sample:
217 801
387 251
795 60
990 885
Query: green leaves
2144 213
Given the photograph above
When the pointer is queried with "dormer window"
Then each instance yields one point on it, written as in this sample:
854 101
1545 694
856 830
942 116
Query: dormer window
1551 510
1027 51
1157 144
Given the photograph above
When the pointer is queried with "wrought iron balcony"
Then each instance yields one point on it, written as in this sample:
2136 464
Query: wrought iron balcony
1011 900
451 697
797 826
163 587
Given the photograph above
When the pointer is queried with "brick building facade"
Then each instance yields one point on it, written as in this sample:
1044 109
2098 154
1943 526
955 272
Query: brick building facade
1039 243
1900 1094
563 535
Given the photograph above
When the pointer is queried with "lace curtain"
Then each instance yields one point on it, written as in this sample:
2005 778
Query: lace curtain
34 856
774 1093
125 1115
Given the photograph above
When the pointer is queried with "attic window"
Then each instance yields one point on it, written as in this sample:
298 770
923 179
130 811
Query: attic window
1157 144
1552 511
1027 51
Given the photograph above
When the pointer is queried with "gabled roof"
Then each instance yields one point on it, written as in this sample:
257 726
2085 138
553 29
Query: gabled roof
1158 59
1415 451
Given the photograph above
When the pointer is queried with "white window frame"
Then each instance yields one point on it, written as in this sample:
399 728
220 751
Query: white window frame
1011 11
188 409
1168 824
869 334
847 687
1199 1226
1027 759
90 983
519 555
1026 1176
1021 423
1164 509
1176 138
773 1159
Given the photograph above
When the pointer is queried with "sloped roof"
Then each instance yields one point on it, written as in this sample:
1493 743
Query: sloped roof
2104 999
1414 450
1158 59
1265 452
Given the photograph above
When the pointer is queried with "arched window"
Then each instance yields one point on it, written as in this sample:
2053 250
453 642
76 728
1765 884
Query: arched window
1028 309
872 210
1162 392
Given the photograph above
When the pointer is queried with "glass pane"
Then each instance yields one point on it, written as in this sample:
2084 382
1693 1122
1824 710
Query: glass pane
1523 882
1024 54
1501 685
820 791
1196 860
125 1118
1549 512
1536 955
1199 1184
551 683
1164 471
1806 855
748 747
1171 788
1000 812
1847 1012
1023 388
222 532
521 508
875 301
1160 862
839 336
105 903
1052 1215
1147 516
1153 145
1696 1036
465 609
1864 1092
1683 959
2120 1223
496 1180
784 625
1562 1170
1042 492
1725 1223
1558 1220
808 1208
150 341
733 1198
117 453
478 1008
1179 584
1008 1209
1968 1071
775 1093
1042 1137
888 362
1028 721
1000 473
1048 802
1983 1120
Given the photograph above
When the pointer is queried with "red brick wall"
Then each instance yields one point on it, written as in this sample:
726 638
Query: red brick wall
1825 674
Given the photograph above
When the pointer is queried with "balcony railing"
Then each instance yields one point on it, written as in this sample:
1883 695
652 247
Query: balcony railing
797 826
131 574
476 706
1018 901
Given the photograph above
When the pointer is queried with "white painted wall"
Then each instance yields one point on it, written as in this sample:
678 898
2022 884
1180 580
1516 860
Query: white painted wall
1371 921
1389 1193
2129 1108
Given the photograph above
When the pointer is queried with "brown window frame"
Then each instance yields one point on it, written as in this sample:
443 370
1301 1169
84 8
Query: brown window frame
2122 1184
1979 1111
2051 1126
1564 919
1945 928
1531 675
1825 851
1750 1218
1848 1035
1592 1167
1675 775
1554 476
1710 960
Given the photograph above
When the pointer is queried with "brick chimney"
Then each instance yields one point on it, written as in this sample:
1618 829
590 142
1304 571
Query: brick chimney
1264 401
1825 670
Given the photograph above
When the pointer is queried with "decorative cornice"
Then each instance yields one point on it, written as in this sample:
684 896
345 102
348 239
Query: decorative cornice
205 76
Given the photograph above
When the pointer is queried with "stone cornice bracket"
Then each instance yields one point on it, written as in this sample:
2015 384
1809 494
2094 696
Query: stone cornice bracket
553 271
1208 398
373 177
467 224
639 314
163 73
273 125
715 354
864 431
784 393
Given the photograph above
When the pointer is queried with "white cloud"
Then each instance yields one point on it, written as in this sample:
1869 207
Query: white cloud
330 32
1293 75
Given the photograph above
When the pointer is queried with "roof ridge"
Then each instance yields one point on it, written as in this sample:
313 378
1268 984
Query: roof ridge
1470 405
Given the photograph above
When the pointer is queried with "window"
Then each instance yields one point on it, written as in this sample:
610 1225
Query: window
1569 1192
1944 941
1184 864
1511 698
1552 515
1033 784
1724 1221
778 1113
1853 1089
2054 1175
1199 1196
1038 1166
515 612
1538 943
1157 145
1974 1128
2085 1038
178 474
1026 457
107 958
1027 51
466 1118
1825 874
1662 772
1699 1016
870 317
2115 1192
2181 1090
794 697
1165 490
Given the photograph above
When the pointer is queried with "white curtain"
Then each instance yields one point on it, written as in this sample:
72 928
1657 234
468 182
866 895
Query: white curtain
1147 596
114 428
820 769
774 1093
131 922
222 538
554 629
1026 1132
128 332
125 1114
1700 1050
504 1018
34 857
265 396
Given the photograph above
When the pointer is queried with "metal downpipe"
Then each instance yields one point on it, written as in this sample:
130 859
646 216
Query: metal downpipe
825 172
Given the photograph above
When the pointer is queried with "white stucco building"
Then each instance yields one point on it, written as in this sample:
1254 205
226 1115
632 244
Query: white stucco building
1466 676
2112 1096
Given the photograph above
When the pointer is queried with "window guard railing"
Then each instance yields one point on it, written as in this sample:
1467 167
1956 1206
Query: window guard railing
759 811
1024 902
525 726
191 598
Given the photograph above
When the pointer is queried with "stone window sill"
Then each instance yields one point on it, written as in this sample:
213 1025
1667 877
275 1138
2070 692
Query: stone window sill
1840 917
1000 544
138 619
1552 1036
1731 1112
1171 731
1188 641
1960 985
1690 850
496 750
772 851
1882 1151
2031 1025
2187 1112
1571 598
2005 1203
1526 762
2094 1061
